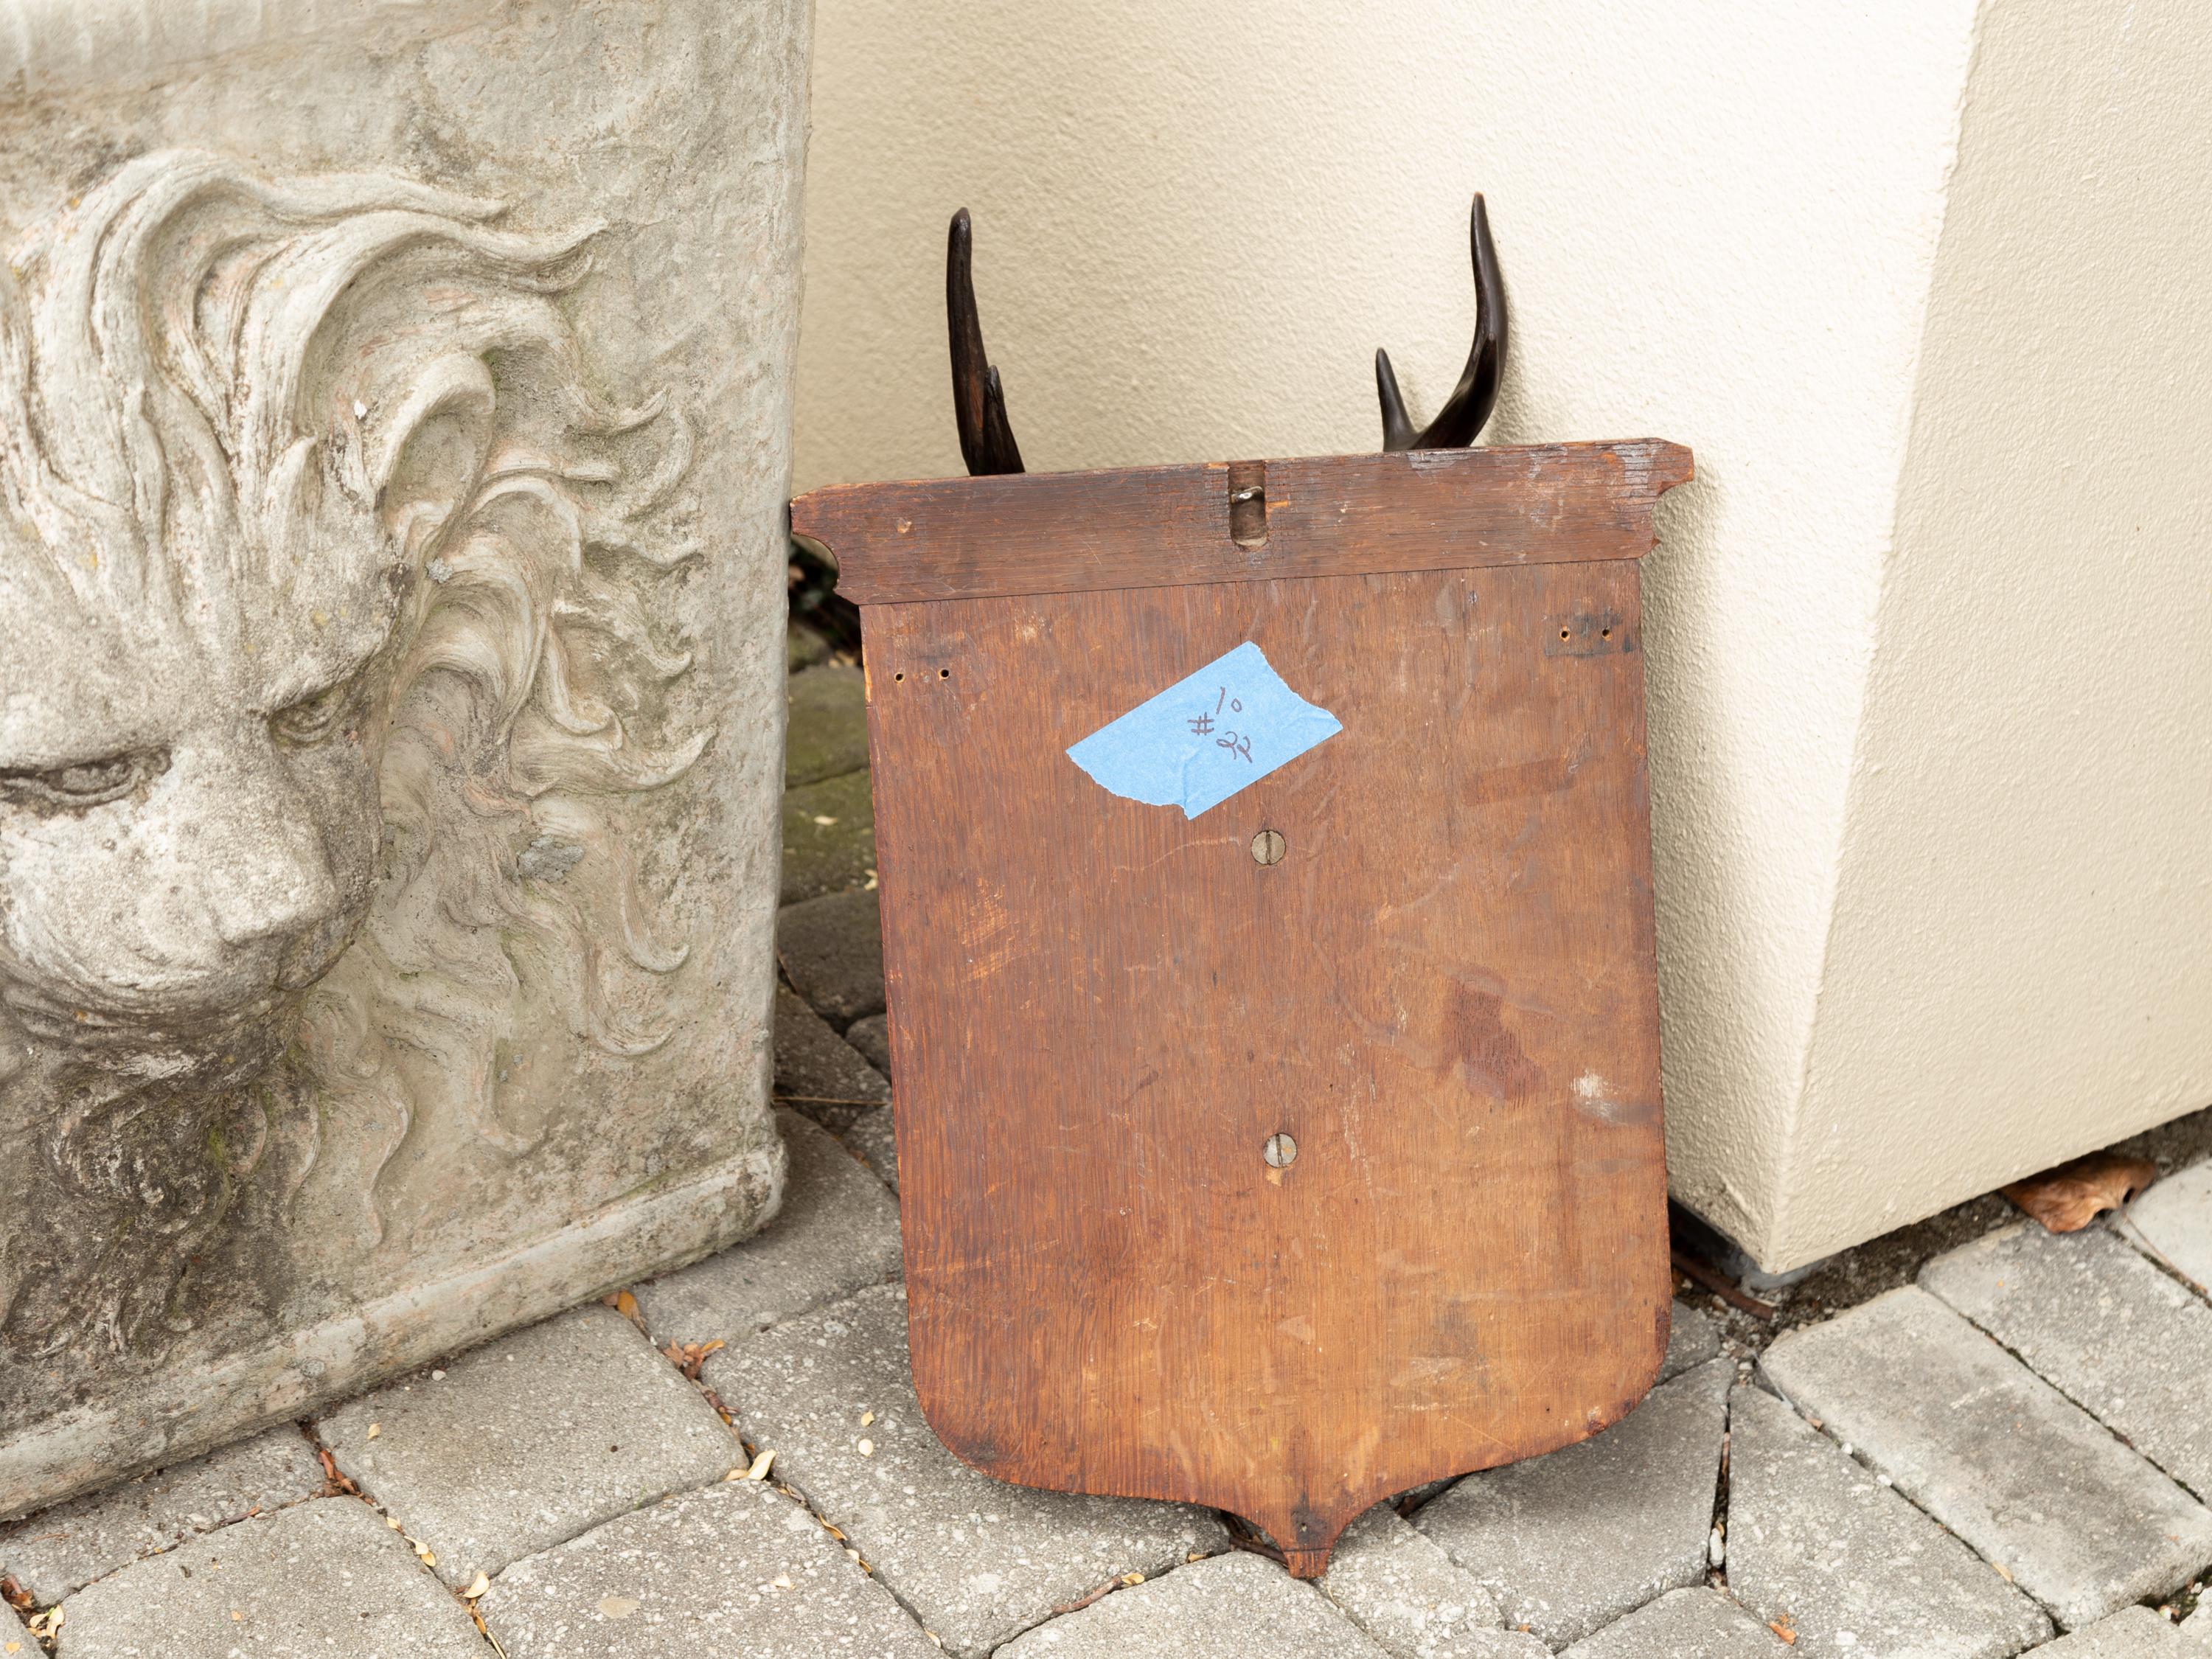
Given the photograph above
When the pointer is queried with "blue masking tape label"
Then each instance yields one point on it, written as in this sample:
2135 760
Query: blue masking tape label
1205 738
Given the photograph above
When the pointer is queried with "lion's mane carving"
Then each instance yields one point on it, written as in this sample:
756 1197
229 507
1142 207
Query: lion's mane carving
326 572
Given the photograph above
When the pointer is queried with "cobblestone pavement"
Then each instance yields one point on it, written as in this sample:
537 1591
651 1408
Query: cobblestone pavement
1972 1438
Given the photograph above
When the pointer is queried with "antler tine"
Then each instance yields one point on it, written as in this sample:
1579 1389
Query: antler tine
979 402
1469 405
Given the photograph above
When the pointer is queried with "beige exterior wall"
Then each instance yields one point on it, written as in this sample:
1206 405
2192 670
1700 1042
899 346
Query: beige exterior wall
1195 222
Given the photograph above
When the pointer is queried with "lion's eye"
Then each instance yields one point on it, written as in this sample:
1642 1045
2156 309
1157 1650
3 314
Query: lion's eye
82 783
313 720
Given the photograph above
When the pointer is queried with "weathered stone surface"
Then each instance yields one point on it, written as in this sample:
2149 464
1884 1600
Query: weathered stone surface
2130 1633
837 1231
1691 1339
2114 1333
1860 1572
391 593
833 950
874 1136
1996 1454
827 733
1406 1593
976 1560
829 838
326 1576
530 1440
818 1072
733 1572
60 1550
1691 1624
1233 1606
2173 1220
873 1038
14 1637
1569 1543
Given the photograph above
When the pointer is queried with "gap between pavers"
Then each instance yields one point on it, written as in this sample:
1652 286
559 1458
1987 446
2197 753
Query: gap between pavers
837 1232
2174 1222
2106 1327
324 1575
817 1072
1568 1542
1691 1624
1410 1598
975 1559
731 1571
1229 1606
528 1441
2130 1633
1996 1454
1691 1339
57 1551
1814 1538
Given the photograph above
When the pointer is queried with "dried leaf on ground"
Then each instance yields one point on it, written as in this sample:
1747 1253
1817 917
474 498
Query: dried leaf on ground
625 1304
688 1357
2069 1197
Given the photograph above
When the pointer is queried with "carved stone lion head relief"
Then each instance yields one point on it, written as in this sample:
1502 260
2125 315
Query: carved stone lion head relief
326 577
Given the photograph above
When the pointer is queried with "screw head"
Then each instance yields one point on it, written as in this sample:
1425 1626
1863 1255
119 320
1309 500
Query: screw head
1280 1152
1268 846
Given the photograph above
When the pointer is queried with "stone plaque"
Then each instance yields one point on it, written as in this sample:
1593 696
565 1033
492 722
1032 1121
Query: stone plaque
393 410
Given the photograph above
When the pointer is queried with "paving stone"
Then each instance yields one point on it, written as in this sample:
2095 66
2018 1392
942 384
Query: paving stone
1860 1572
873 1038
2130 1633
874 1136
14 1637
829 836
803 647
325 1577
837 1231
1406 1593
2173 1220
529 1440
61 1549
1687 1624
733 1572
827 733
1691 1339
817 1071
1568 1542
2114 1333
1996 1454
833 950
1233 1606
977 1560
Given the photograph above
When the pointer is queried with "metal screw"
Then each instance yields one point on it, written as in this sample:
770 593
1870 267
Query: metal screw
1268 846
1280 1152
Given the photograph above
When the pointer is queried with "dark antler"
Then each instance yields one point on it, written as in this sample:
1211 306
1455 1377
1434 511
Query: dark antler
1476 394
987 441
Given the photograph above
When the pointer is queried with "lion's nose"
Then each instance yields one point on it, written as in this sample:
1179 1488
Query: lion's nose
263 873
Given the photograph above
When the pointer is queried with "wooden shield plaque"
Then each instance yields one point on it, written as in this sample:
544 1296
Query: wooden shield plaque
1278 1076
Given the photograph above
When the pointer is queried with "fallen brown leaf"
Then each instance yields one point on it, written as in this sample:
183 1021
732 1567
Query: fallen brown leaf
1786 1628
625 1304
2069 1197
688 1357
335 1485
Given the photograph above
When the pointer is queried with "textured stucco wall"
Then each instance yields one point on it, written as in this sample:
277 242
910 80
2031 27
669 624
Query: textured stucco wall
1195 223
2018 971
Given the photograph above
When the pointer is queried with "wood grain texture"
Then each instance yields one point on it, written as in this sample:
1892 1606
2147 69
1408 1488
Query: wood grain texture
1059 532
1444 992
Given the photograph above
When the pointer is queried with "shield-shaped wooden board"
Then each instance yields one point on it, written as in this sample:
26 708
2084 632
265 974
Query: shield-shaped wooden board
1289 1154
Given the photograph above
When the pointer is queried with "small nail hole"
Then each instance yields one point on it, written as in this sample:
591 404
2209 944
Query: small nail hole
944 673
1563 633
899 675
1605 633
